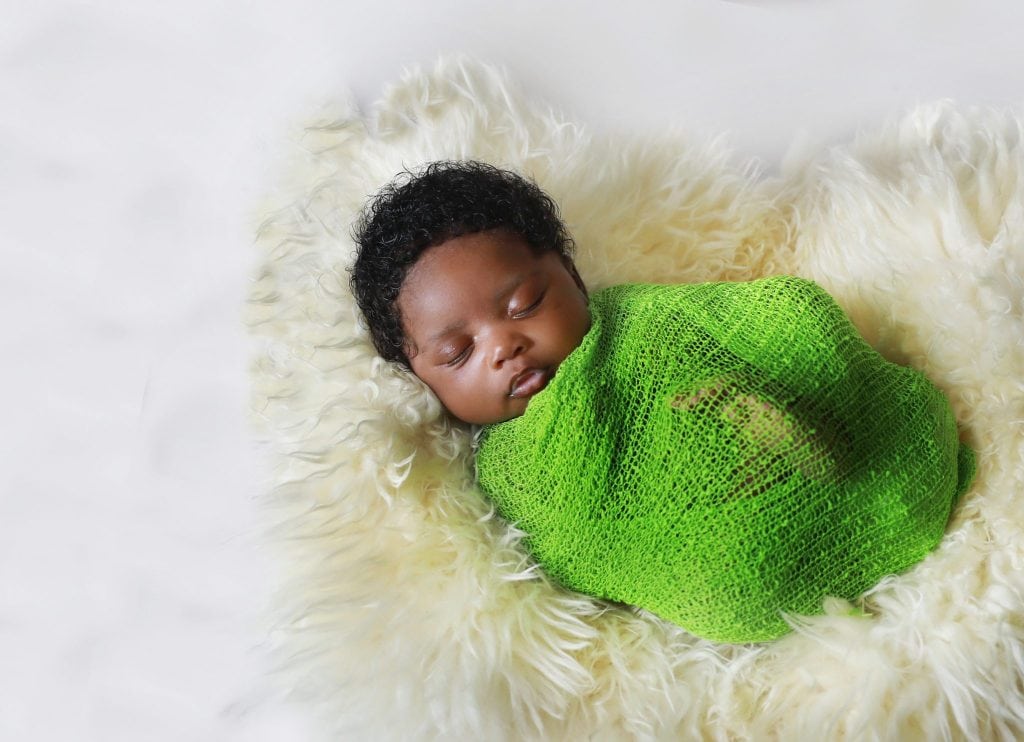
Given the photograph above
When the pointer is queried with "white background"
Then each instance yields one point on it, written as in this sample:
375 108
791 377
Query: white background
134 139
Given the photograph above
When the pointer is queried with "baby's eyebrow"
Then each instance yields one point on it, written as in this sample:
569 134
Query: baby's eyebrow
448 329
510 286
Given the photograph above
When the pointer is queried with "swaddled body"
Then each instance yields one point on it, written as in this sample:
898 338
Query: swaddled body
722 453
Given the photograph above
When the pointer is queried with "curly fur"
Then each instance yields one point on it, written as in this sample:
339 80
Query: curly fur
407 610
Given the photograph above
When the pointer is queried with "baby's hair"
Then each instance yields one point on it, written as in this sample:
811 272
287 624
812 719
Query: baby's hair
418 210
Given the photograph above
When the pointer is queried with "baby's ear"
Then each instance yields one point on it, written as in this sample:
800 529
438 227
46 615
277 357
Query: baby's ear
571 267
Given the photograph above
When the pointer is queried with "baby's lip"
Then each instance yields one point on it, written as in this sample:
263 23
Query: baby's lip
528 382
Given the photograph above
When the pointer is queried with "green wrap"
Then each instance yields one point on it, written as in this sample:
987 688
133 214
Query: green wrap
723 452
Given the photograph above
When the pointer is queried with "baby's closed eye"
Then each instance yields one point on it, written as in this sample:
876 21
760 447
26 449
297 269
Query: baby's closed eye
529 309
456 355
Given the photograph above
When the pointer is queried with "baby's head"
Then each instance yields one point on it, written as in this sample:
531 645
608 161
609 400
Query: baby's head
464 274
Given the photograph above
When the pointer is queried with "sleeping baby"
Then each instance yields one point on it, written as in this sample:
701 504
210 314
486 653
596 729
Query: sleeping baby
720 454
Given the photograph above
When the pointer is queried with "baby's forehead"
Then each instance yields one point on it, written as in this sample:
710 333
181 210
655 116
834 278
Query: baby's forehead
436 286
479 255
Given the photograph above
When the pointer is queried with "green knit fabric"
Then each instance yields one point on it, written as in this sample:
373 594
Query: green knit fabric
721 453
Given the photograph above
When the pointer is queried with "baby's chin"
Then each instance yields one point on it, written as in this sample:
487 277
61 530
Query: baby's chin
532 383
516 408
484 421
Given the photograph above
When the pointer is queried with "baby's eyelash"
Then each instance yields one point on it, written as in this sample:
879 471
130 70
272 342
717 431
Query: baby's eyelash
524 312
462 356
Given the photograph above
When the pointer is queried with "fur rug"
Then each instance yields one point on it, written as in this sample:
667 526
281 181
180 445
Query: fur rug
407 609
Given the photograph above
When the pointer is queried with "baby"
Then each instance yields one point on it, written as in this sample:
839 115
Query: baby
721 454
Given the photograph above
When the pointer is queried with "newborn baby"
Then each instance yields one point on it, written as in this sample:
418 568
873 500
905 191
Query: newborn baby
720 454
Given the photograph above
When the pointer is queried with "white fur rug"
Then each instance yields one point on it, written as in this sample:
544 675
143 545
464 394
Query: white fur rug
408 610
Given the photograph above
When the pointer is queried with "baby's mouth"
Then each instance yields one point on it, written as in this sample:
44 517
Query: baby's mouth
529 382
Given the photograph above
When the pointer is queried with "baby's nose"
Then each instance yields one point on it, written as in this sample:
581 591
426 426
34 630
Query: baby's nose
508 347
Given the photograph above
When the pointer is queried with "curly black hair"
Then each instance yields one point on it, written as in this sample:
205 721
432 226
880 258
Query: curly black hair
418 210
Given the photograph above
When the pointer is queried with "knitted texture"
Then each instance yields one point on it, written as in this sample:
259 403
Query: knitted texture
723 453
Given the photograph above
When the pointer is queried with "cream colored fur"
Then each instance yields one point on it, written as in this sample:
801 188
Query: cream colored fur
408 609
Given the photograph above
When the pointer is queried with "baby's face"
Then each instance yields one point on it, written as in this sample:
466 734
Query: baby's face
488 321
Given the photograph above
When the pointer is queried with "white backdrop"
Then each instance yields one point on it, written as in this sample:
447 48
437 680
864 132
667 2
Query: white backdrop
134 140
